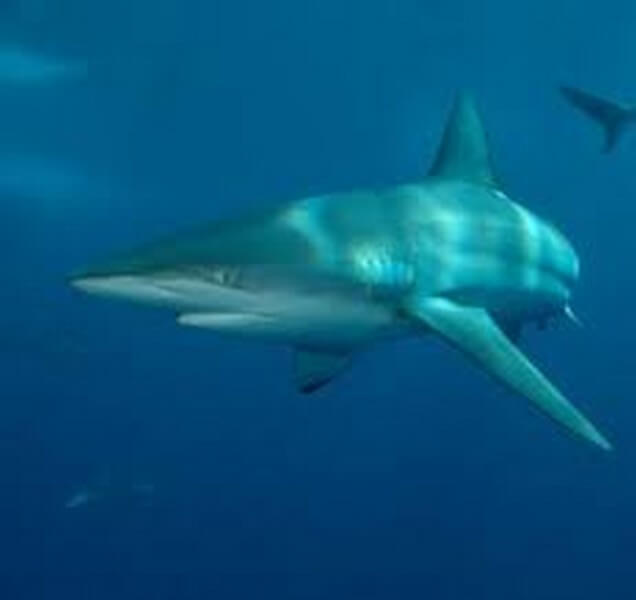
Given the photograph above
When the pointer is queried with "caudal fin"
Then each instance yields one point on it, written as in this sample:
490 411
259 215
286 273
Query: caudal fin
612 116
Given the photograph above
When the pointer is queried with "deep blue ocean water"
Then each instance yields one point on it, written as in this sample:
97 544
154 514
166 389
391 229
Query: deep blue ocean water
412 476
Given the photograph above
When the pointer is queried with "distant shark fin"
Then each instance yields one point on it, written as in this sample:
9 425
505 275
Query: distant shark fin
314 369
474 332
612 116
464 152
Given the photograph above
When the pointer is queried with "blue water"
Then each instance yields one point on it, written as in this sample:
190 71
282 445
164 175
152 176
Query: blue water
412 476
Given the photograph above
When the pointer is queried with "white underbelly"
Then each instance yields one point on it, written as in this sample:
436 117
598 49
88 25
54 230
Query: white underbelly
326 320
328 317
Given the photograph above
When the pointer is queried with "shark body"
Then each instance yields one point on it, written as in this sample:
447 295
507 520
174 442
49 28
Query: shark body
450 255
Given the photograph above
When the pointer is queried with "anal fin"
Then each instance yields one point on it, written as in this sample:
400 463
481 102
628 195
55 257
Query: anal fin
474 332
315 368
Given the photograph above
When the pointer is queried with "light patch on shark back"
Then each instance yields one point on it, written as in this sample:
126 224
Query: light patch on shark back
545 252
530 235
306 218
377 268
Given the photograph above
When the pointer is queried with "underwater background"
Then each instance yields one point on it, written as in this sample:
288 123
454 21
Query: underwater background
142 460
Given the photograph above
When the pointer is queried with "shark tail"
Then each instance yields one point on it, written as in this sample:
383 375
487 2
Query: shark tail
612 116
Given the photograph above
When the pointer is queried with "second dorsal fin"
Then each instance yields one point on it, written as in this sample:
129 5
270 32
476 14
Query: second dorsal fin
464 152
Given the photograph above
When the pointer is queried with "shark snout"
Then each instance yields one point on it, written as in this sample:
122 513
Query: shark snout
116 277
90 284
125 286
178 290
92 279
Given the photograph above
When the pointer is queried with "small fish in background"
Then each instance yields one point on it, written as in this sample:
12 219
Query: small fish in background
20 66
107 490
613 117
80 498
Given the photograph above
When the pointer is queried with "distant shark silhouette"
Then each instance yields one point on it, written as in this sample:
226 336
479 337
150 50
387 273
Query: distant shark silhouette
611 116
108 490
20 66
449 255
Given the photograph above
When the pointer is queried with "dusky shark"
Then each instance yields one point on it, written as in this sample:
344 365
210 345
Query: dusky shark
20 66
612 116
450 255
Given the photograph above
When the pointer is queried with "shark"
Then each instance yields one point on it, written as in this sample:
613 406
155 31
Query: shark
22 67
449 255
613 117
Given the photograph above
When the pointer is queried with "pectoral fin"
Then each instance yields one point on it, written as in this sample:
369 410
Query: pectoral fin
314 369
473 331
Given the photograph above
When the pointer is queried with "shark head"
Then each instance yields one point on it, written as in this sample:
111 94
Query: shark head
260 278
200 270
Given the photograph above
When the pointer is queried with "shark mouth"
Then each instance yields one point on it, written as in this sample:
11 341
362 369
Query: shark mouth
178 291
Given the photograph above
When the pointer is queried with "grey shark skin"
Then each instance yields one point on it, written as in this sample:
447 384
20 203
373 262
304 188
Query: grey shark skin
612 116
450 255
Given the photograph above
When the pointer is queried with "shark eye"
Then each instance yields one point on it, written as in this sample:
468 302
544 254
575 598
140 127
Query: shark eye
223 276
219 276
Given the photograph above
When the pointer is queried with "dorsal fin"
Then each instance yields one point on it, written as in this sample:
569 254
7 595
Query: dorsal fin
464 152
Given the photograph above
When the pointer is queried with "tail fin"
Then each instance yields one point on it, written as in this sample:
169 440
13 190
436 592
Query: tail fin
612 116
